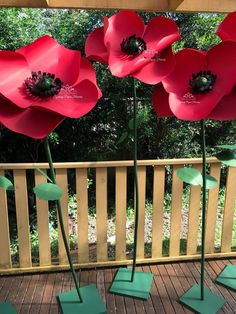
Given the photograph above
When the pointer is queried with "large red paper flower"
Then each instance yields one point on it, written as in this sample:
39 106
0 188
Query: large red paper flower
200 80
224 110
131 48
227 29
42 84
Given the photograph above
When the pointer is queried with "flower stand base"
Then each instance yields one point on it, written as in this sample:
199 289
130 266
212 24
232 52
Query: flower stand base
7 308
92 301
211 304
139 288
227 277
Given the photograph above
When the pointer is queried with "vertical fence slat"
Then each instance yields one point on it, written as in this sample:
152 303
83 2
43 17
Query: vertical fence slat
82 207
176 208
22 216
5 253
61 177
158 204
212 210
228 217
121 202
43 225
101 213
142 200
193 216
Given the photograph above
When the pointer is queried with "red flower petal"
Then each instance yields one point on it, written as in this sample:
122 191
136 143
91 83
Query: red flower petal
73 102
221 60
188 62
156 70
193 107
122 65
120 26
28 121
226 30
226 108
14 71
160 100
87 72
46 55
94 46
160 33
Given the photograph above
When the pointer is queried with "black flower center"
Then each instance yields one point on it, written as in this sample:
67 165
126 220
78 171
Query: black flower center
202 81
133 45
43 84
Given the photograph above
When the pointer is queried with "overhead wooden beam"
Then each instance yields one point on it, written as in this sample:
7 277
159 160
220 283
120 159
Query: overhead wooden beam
24 3
143 5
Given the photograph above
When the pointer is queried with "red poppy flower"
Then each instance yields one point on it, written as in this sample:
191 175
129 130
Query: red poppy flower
131 48
48 79
227 29
200 80
224 110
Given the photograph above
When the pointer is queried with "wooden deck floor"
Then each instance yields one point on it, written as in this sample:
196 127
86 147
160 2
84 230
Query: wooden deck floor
37 293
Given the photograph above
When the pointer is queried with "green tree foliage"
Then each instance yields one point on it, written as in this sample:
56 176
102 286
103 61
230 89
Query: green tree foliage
96 136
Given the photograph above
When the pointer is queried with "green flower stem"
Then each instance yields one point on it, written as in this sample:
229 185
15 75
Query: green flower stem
59 210
135 105
203 144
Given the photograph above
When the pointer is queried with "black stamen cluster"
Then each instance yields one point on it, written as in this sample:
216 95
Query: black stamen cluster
133 45
202 81
43 84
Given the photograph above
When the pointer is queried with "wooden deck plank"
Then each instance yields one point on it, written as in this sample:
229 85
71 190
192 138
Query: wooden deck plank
37 293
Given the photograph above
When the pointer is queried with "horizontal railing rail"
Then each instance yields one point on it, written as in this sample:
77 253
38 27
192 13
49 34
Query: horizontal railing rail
167 241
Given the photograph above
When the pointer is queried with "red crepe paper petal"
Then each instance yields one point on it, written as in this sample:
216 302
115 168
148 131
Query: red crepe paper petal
226 30
14 70
160 33
193 107
188 62
226 108
94 46
156 70
160 100
221 60
122 65
31 122
120 26
87 73
46 55
73 102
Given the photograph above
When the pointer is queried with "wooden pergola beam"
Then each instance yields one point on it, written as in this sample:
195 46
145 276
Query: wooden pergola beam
145 5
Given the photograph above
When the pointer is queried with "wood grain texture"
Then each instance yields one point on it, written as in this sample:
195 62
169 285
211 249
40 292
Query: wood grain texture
43 225
121 203
82 214
22 216
5 254
101 213
158 207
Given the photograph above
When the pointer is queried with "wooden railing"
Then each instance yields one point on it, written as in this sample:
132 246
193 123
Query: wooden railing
157 169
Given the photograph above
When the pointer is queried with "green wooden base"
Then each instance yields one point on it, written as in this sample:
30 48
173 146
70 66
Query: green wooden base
92 301
139 288
7 308
227 277
211 304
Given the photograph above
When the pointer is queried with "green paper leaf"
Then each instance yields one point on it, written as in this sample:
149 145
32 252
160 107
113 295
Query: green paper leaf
227 157
43 173
232 147
211 182
6 184
190 175
48 191
123 137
